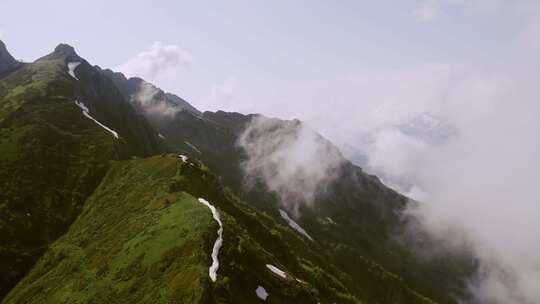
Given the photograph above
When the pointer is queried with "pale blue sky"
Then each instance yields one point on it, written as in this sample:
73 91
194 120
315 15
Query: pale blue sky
260 44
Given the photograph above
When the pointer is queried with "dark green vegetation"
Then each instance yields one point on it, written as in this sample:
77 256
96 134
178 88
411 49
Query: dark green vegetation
7 62
51 156
369 225
88 218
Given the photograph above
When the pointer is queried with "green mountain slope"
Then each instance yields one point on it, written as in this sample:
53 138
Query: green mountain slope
89 196
7 62
143 237
368 216
51 156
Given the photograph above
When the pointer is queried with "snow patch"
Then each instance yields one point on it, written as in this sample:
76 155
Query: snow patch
212 271
293 224
161 136
183 157
85 112
71 68
330 220
276 270
261 293
192 146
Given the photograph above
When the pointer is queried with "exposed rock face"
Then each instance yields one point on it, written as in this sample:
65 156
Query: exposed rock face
65 49
7 62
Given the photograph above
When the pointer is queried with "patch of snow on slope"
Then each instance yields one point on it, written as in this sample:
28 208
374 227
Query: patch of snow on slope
183 157
212 271
161 136
192 146
293 224
85 112
71 68
261 293
276 270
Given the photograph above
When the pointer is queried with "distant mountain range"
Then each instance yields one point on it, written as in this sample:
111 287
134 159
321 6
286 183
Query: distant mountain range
113 191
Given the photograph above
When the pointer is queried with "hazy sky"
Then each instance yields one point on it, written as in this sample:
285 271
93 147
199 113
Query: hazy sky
356 71
248 48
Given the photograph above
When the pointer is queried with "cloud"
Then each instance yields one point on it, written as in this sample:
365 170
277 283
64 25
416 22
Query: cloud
154 104
156 61
478 185
289 158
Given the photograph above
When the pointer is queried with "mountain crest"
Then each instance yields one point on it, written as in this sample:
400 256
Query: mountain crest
7 62
66 49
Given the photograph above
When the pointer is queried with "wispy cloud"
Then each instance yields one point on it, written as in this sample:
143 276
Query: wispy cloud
159 59
290 159
152 103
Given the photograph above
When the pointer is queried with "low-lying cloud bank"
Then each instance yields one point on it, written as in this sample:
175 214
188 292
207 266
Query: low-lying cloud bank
477 182
289 158
475 167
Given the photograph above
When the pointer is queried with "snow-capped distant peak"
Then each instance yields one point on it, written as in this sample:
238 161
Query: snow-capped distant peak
276 270
212 271
71 68
293 224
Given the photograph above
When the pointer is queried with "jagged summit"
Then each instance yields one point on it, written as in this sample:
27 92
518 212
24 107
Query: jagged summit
7 62
65 49
2 46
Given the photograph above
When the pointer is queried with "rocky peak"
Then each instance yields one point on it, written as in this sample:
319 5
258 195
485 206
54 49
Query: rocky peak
65 49
7 62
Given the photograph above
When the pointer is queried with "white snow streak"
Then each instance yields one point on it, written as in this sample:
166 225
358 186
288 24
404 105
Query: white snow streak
212 271
183 157
293 224
161 136
85 112
276 270
261 293
192 146
71 68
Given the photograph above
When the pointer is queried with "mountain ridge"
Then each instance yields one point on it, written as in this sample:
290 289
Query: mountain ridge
7 62
353 258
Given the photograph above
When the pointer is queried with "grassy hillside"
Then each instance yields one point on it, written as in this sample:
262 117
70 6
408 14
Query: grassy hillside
367 215
133 235
143 237
51 158
112 220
